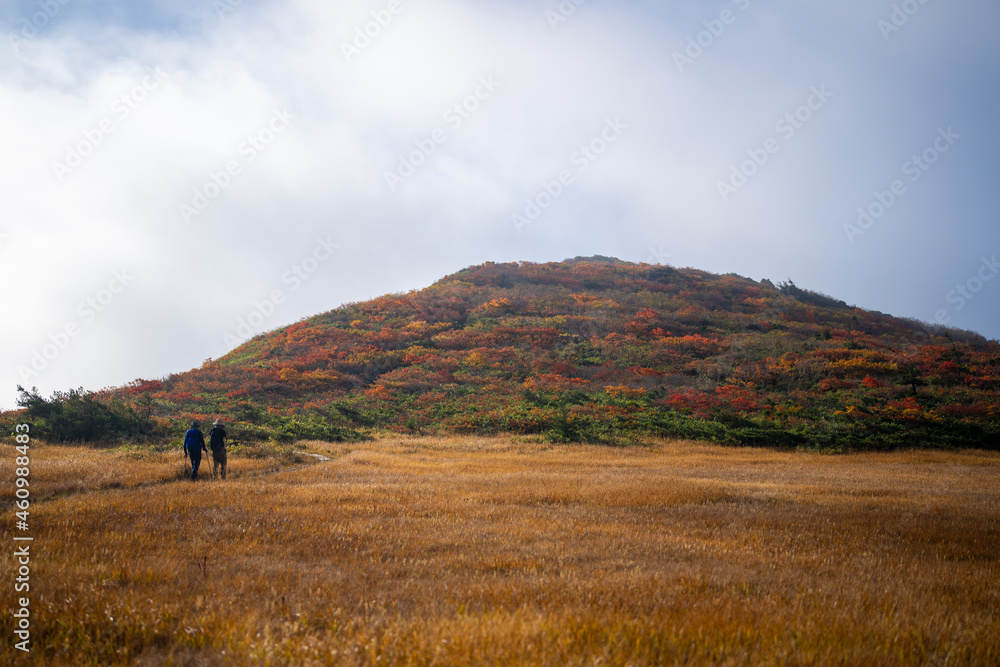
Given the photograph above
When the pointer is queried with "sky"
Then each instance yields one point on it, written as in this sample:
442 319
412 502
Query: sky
180 175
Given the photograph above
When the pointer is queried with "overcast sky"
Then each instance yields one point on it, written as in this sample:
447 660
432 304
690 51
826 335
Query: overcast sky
172 167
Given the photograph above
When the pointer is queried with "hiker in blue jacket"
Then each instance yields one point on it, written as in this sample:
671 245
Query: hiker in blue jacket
194 445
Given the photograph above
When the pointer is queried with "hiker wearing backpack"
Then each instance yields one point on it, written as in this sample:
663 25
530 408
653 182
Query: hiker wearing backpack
217 441
194 445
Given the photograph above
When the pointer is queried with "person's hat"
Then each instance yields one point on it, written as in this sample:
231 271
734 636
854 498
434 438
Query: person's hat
194 424
218 422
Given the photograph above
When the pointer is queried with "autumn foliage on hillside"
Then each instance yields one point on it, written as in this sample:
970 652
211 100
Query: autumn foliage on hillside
600 351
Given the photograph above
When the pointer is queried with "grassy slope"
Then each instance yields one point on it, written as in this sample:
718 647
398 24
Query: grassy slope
586 351
465 551
591 351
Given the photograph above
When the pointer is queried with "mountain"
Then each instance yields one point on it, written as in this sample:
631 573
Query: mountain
589 349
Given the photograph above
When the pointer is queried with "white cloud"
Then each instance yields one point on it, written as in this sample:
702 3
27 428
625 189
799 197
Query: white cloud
324 173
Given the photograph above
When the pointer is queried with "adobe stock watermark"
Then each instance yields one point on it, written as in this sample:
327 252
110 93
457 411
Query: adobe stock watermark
714 29
455 117
22 552
29 28
658 256
787 126
585 156
915 168
223 8
218 181
964 293
89 310
899 17
364 35
562 13
294 278
122 108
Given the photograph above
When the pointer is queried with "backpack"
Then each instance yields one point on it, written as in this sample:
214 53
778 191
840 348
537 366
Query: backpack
218 438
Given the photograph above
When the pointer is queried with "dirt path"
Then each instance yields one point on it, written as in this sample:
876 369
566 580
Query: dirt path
319 459
264 473
181 477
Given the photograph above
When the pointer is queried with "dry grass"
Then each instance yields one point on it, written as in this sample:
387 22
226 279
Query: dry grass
501 551
59 469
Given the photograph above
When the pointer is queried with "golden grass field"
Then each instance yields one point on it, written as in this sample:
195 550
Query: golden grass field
505 551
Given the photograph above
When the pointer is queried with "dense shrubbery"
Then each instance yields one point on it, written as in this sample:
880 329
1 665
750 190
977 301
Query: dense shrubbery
582 351
81 416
